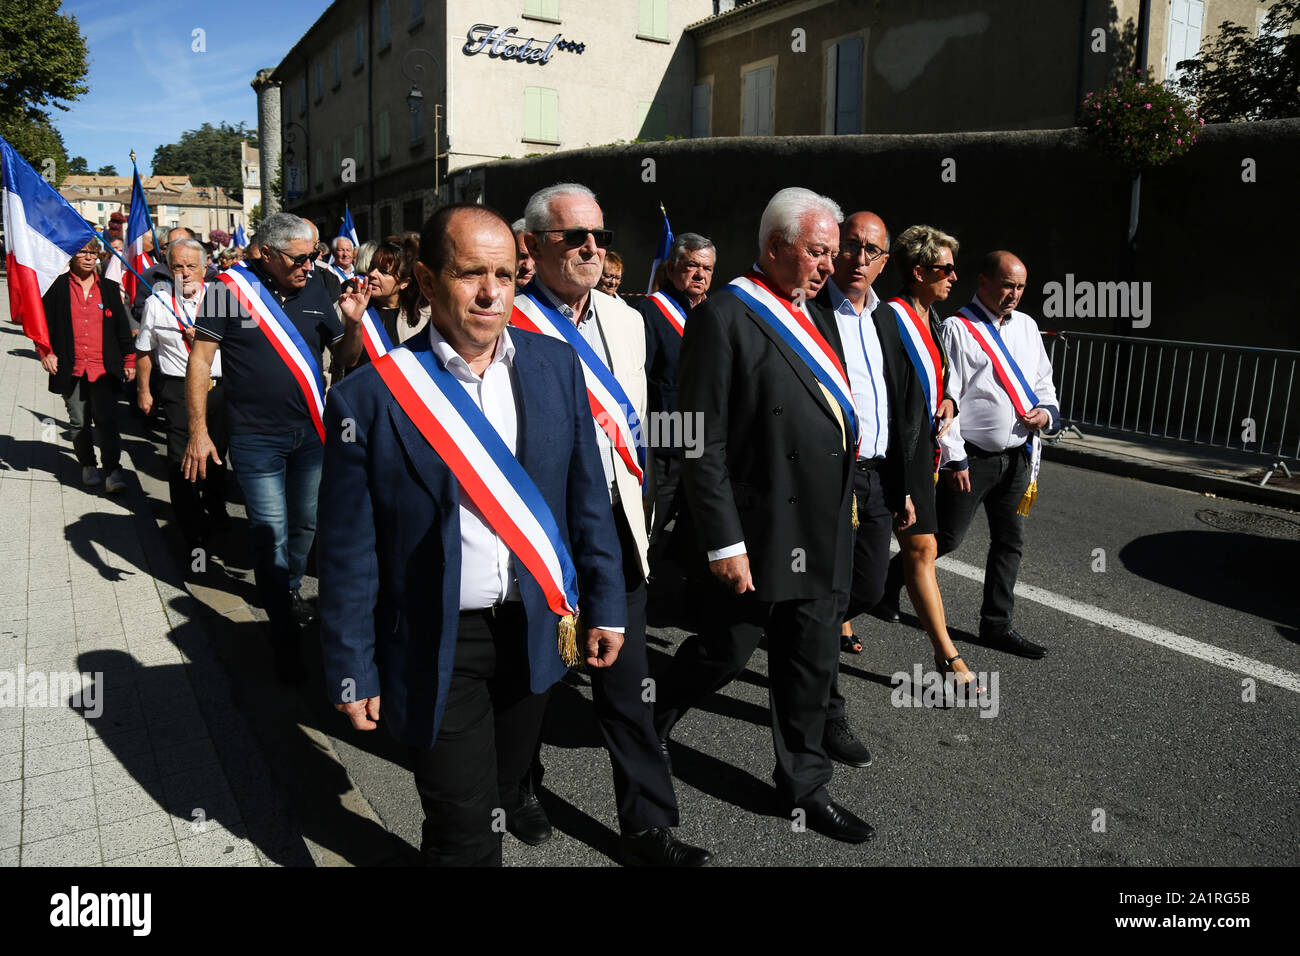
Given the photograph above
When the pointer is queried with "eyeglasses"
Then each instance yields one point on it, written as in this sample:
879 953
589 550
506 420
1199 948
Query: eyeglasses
852 248
947 269
573 238
611 277
302 260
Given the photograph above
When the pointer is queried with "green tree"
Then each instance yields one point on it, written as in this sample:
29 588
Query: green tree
254 217
77 166
106 171
42 58
1244 76
36 141
209 155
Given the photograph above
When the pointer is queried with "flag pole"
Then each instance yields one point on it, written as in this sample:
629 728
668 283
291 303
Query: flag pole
109 246
153 230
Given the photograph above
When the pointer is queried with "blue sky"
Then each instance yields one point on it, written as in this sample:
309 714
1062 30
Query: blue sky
147 85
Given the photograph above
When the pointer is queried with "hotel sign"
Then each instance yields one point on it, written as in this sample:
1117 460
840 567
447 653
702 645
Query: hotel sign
504 43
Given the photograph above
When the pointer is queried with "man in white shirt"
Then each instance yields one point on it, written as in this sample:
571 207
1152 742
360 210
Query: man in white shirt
878 486
567 240
344 255
164 340
984 456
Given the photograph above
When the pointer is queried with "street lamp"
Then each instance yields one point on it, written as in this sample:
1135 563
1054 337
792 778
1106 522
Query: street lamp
415 103
289 151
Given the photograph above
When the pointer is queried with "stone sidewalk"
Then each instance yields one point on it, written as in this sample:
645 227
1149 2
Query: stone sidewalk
152 763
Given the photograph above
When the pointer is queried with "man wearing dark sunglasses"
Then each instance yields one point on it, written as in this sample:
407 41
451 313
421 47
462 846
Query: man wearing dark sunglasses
567 240
275 447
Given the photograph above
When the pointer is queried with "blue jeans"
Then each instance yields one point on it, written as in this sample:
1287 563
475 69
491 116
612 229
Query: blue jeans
279 476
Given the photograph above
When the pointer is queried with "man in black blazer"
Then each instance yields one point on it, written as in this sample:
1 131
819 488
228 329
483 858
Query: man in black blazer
91 356
690 273
768 504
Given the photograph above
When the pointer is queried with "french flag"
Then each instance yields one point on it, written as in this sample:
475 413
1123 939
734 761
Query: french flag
42 232
347 230
662 251
138 225
240 239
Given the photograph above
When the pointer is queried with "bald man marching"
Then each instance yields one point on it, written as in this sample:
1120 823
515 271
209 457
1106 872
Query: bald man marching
1001 378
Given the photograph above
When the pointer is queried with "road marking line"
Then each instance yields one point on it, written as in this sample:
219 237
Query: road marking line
1145 632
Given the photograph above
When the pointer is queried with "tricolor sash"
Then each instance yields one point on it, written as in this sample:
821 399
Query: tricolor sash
982 328
182 315
374 335
343 276
269 316
493 479
797 330
610 406
925 356
671 309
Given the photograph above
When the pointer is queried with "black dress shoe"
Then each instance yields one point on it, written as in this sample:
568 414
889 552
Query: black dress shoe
303 612
834 821
658 847
528 822
843 744
1012 642
887 612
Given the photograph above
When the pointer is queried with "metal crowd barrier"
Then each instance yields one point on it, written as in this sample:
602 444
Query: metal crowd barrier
1222 396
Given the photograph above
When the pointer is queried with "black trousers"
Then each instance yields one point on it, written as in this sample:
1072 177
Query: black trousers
667 473
623 699
997 481
870 558
490 727
192 501
803 652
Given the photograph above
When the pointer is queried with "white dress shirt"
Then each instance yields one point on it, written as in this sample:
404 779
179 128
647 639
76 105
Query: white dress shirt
864 361
589 328
487 574
987 419
160 333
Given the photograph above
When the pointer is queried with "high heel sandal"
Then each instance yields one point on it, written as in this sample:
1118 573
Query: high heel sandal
944 666
849 643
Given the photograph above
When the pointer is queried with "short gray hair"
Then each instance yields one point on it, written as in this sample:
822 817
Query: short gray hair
282 228
687 243
787 210
334 246
518 226
537 214
919 246
187 244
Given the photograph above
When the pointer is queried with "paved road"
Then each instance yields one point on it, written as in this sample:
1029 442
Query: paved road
1146 725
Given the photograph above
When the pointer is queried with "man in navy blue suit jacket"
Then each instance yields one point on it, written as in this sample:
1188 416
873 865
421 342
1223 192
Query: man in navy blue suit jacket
421 603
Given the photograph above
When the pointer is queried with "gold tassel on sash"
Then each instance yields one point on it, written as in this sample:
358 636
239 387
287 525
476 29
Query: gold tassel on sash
568 640
853 516
1028 498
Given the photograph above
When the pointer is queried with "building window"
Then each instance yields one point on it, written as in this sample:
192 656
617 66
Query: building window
1185 20
359 143
385 30
701 109
548 10
359 47
338 157
336 63
413 215
318 74
541 115
302 95
385 220
756 101
320 166
382 137
417 12
417 124
653 23
843 96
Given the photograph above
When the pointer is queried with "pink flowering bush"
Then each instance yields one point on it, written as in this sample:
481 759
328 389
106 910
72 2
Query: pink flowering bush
1140 123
